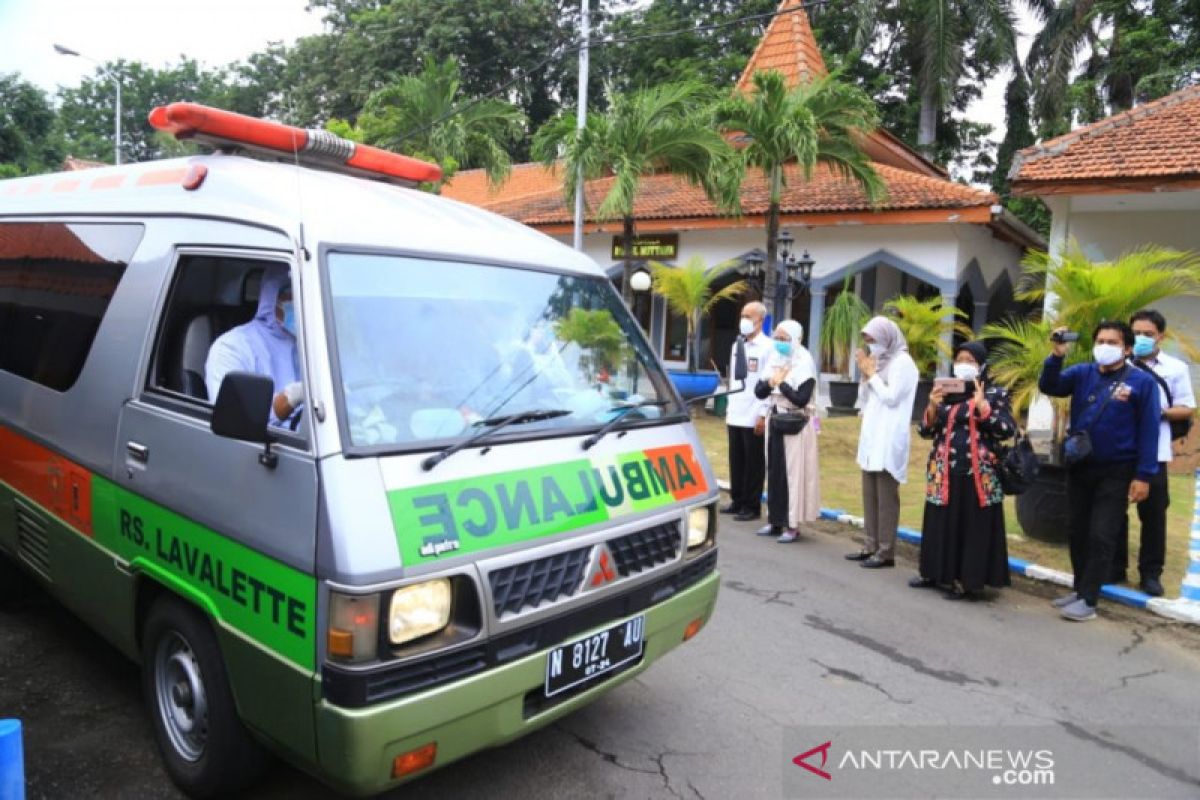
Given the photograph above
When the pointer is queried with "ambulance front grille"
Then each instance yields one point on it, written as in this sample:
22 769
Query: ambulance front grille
33 546
535 582
641 550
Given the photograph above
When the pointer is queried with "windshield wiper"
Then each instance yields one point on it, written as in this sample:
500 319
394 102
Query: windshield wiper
490 426
612 423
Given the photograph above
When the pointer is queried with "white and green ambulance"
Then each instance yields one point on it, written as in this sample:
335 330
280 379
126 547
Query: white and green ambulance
488 508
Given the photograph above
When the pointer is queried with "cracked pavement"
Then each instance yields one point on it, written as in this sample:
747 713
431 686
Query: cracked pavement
800 637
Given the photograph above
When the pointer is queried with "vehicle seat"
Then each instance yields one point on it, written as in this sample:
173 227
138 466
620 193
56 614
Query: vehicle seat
197 338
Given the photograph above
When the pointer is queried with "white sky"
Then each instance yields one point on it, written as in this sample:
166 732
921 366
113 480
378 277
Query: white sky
216 32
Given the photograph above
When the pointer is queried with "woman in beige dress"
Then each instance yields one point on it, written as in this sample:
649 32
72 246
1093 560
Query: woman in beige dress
793 487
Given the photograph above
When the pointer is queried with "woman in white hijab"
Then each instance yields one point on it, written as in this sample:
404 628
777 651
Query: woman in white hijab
793 489
889 388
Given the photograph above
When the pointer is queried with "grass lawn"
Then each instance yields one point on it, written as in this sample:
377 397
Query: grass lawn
841 488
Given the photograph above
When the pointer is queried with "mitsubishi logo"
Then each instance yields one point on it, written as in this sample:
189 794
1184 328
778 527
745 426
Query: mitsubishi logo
602 570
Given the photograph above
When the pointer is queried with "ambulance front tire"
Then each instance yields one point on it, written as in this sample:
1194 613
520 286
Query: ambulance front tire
207 751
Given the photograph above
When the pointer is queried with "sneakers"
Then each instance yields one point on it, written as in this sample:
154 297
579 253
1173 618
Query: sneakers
1065 600
769 530
1079 611
789 536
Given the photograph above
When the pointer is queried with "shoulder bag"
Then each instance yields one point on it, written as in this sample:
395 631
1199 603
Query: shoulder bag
1018 466
1077 447
788 424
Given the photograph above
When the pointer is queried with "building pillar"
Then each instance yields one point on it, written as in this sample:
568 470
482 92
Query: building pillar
816 316
949 302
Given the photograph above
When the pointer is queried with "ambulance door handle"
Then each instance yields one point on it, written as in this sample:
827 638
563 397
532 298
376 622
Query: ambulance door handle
138 452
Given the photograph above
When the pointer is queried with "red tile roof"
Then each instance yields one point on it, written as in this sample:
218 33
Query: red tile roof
787 46
1152 141
667 196
73 164
471 186
38 241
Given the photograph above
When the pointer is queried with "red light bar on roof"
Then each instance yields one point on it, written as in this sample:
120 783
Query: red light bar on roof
193 121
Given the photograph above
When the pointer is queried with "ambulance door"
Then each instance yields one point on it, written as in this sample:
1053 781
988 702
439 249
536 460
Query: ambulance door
203 507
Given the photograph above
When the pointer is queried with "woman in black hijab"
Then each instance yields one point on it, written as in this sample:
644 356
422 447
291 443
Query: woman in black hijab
963 544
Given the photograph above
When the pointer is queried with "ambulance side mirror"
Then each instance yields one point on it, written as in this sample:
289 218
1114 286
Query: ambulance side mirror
242 409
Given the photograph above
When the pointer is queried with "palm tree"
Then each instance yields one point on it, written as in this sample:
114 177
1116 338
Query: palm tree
424 115
925 324
664 128
688 291
820 122
1082 293
942 38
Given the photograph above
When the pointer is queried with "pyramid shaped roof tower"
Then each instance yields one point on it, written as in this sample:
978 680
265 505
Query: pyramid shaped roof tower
787 46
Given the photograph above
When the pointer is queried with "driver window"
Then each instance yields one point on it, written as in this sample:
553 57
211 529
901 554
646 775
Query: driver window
213 297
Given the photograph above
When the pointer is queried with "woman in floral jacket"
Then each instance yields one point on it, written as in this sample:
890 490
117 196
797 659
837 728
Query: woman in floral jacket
963 544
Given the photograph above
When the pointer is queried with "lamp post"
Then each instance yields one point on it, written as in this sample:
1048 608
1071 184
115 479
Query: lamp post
793 277
66 51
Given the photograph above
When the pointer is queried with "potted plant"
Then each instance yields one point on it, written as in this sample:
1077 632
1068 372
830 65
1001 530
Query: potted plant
925 324
840 331
688 290
1083 293
602 344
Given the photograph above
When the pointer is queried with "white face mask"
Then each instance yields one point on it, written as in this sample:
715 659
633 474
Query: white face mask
966 372
875 348
746 326
1107 354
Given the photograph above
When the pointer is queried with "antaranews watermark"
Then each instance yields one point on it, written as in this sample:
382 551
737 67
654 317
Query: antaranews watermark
1046 761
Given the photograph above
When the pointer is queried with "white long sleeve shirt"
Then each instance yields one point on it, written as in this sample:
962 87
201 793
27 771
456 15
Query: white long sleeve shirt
887 418
1177 376
742 408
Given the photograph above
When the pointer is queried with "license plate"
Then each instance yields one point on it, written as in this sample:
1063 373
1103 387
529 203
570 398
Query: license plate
586 659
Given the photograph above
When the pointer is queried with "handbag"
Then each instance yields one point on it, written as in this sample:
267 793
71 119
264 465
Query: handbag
1077 447
788 424
1018 467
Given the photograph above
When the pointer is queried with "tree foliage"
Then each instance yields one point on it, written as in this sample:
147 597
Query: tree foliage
28 143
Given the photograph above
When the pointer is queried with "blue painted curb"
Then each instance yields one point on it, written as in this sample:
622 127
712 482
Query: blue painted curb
12 761
1116 594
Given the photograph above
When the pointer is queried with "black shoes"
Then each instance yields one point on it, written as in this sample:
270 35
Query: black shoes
730 509
861 555
875 562
746 516
917 582
1152 587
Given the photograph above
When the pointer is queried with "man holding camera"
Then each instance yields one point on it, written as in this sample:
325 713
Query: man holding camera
1178 405
1111 451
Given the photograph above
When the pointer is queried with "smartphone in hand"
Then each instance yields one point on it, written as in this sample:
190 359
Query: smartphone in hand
952 387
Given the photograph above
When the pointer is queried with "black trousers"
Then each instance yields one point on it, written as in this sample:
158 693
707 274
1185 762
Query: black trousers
777 480
747 469
1152 513
1097 495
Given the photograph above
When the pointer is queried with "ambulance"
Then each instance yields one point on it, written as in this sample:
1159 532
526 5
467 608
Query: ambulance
488 508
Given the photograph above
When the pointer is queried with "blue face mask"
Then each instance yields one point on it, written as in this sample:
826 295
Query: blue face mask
1143 346
289 318
783 348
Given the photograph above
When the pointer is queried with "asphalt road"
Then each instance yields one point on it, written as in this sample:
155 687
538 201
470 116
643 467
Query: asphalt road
800 637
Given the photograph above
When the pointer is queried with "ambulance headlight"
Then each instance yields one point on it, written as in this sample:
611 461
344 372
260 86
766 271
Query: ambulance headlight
701 524
419 610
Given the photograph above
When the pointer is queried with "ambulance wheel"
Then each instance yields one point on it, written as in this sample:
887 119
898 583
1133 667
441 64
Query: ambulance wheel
206 749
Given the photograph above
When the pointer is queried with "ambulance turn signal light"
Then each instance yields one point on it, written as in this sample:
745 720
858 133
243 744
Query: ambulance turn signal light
693 628
414 760
194 121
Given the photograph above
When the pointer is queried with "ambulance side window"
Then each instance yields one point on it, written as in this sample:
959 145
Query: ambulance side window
209 296
56 281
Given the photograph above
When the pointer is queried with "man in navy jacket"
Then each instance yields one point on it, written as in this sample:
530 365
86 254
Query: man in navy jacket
1118 406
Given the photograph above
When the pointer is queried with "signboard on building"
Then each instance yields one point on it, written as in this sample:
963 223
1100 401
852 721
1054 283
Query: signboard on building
659 246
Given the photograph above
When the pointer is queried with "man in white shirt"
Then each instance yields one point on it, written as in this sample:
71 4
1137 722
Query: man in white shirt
745 418
1178 403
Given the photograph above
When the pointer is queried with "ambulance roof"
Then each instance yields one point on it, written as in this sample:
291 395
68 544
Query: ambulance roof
335 208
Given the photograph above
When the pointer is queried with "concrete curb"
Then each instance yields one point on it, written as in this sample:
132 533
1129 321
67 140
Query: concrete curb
1183 609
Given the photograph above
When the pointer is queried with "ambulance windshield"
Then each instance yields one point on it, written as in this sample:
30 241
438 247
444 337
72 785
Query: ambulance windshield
427 348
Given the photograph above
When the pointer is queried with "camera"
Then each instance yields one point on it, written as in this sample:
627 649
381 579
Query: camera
1062 337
